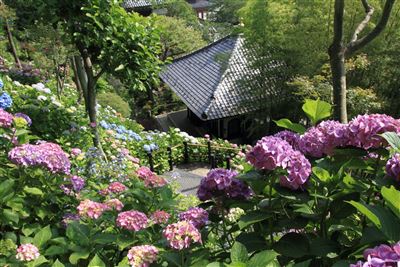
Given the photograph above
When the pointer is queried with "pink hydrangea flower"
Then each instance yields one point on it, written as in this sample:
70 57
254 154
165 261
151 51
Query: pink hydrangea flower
393 167
116 187
299 169
181 234
290 137
324 138
364 130
27 252
197 216
114 204
132 220
142 256
91 209
149 178
46 154
160 217
6 119
75 152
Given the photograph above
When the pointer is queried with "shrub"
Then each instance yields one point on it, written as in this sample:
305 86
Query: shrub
116 102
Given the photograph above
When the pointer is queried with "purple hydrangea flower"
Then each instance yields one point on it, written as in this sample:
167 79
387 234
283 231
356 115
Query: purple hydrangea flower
290 137
323 138
68 218
77 183
25 117
380 256
299 169
48 155
221 183
364 130
197 216
393 166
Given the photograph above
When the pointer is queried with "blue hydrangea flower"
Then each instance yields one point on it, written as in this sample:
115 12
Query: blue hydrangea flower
147 148
153 147
5 101
149 137
1 83
104 124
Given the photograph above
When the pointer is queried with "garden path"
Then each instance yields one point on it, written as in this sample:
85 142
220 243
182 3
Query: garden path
188 176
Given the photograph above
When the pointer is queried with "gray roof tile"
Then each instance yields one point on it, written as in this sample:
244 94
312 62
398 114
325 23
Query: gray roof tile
217 81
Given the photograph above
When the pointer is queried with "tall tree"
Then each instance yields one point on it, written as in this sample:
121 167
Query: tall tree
107 39
339 51
7 14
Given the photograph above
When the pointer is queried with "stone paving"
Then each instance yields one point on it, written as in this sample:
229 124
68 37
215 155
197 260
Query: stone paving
188 176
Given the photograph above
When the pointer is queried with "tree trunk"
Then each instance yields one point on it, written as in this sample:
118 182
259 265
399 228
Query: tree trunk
76 79
337 61
12 45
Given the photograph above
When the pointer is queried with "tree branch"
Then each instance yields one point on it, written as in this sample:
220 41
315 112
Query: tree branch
99 74
369 10
360 43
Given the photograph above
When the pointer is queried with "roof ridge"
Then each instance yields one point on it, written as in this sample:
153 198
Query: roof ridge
213 99
204 48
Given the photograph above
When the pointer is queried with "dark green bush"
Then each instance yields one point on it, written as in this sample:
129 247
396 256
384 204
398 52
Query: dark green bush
116 102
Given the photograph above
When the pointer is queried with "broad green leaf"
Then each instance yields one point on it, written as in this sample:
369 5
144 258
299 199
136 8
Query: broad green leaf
57 263
287 124
104 238
303 264
55 250
11 215
321 247
252 218
393 139
33 191
96 262
215 264
76 256
39 261
239 253
293 245
368 213
174 258
42 236
317 110
322 174
392 198
6 187
78 233
262 258
252 241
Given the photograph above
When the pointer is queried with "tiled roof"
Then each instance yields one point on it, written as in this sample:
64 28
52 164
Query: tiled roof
130 4
218 81
201 4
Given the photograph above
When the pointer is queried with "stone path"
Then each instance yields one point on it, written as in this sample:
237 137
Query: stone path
188 176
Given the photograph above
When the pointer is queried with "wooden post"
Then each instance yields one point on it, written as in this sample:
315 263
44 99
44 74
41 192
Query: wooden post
185 152
228 162
209 151
213 163
151 163
170 162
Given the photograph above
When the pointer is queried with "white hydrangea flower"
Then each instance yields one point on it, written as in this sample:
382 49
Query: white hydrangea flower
42 98
234 214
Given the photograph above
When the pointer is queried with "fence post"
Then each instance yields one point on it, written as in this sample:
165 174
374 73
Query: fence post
185 152
170 162
228 163
209 151
213 163
151 163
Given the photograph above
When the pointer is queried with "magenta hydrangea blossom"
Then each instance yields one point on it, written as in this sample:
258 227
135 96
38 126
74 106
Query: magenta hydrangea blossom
292 138
76 152
77 183
221 183
114 203
91 209
180 235
272 152
132 220
380 256
142 256
116 187
320 140
393 167
27 252
6 119
46 154
149 178
299 169
269 153
197 216
160 217
364 130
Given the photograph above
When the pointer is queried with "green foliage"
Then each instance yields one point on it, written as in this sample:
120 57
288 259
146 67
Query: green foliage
116 102
317 110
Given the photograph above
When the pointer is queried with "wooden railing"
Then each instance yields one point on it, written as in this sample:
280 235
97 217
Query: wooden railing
212 151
